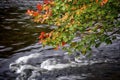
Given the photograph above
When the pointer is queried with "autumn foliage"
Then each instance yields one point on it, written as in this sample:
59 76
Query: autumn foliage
88 20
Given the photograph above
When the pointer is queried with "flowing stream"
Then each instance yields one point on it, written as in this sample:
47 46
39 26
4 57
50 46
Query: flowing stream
23 58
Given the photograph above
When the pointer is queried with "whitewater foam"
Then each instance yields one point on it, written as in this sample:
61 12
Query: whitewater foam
51 64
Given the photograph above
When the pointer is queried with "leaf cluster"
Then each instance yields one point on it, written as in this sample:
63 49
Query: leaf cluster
89 20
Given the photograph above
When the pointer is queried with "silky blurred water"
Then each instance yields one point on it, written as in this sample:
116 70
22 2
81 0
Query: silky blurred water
17 30
23 58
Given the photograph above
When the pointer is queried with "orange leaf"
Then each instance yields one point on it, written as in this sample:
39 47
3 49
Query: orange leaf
46 8
35 13
29 12
56 48
105 1
96 1
101 3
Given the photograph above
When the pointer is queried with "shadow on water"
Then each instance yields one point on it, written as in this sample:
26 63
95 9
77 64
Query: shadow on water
17 30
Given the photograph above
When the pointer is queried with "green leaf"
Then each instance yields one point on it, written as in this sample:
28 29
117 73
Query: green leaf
97 45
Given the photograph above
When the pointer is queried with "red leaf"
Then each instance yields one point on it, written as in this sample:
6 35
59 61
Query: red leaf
39 7
63 43
42 35
46 1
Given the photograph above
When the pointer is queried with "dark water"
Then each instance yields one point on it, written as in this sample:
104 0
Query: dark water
17 30
22 58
